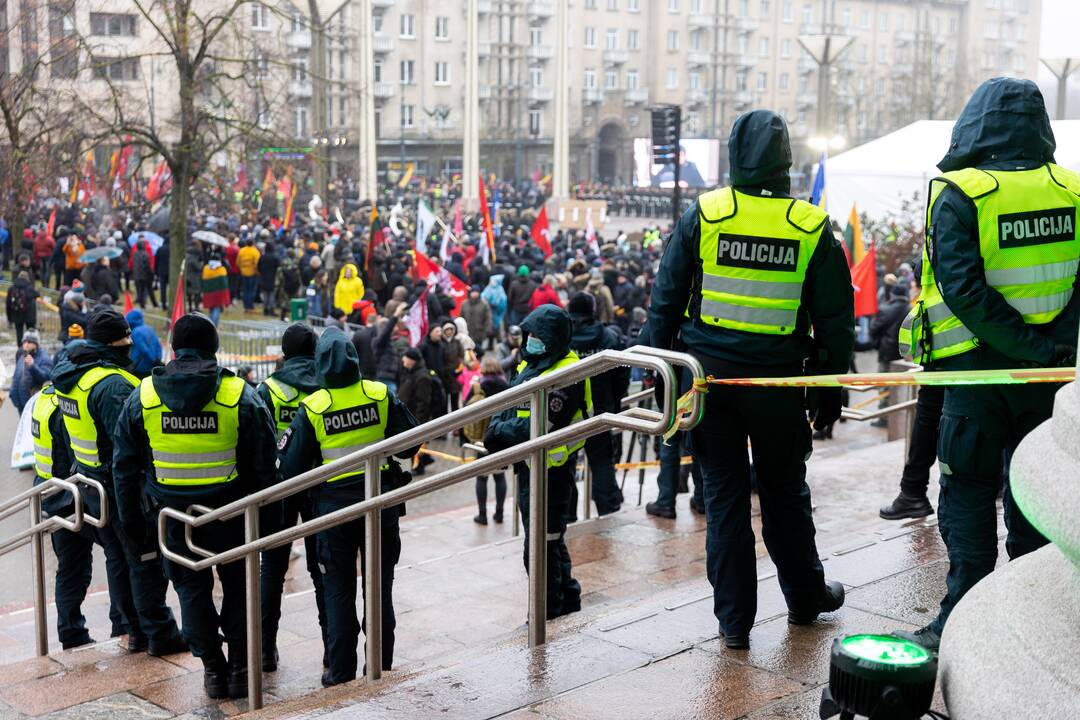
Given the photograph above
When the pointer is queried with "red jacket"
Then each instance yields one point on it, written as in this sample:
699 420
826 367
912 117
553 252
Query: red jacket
544 295
43 248
231 251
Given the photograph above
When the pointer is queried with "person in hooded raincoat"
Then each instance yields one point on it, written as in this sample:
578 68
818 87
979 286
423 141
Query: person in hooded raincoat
145 346
349 288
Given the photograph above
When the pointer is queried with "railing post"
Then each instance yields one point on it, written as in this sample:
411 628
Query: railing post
373 576
538 522
588 485
254 610
41 630
515 522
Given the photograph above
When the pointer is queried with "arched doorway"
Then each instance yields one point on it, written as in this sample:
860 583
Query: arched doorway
611 161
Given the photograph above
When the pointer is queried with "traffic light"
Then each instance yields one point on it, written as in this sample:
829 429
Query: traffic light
666 121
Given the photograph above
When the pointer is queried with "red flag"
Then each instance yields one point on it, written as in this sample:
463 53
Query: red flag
50 229
489 231
376 237
289 211
241 182
864 280
455 287
155 188
541 232
416 319
178 307
128 305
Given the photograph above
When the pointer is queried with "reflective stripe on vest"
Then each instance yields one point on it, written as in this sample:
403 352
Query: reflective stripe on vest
285 401
44 407
194 448
81 426
1029 245
346 420
557 456
753 252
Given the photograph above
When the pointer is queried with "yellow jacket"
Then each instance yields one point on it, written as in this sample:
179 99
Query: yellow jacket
248 261
348 290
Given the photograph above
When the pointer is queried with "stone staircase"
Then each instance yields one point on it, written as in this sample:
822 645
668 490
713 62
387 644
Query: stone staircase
644 644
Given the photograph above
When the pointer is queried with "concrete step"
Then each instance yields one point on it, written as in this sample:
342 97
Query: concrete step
646 630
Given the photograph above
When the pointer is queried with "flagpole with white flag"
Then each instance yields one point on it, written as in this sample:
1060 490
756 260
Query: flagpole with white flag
425 221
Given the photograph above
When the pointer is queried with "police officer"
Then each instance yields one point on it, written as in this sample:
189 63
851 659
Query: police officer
282 393
547 332
194 433
608 389
748 272
341 418
74 551
92 384
999 272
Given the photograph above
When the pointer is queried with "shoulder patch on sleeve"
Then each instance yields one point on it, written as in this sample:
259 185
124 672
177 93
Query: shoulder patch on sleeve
806 217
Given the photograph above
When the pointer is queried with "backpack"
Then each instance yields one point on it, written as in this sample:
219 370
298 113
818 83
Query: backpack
142 264
474 431
438 396
18 300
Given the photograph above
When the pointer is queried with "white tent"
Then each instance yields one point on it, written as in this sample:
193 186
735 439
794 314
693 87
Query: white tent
878 176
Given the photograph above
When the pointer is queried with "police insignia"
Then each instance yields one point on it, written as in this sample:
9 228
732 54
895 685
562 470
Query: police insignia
284 439
556 404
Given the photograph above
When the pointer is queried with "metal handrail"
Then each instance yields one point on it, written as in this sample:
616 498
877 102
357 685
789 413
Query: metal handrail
535 450
40 526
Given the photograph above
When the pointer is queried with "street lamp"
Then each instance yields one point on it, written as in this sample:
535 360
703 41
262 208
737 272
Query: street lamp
1061 68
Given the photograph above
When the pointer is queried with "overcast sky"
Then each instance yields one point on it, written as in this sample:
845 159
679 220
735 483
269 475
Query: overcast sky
1060 20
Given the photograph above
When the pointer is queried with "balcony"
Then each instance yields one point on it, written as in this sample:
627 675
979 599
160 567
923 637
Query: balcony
299 40
806 99
744 25
637 96
904 37
382 4
382 44
484 7
903 68
702 21
616 57
483 49
540 52
541 95
807 65
592 96
483 92
696 98
744 61
300 89
383 90
743 99
541 10
698 58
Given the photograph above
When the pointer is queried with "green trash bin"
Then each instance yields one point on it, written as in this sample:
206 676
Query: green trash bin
298 309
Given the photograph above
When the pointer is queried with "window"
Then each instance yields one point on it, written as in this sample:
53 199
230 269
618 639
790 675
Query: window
695 39
590 38
764 12
788 11
740 80
695 7
612 5
408 26
297 22
695 81
536 36
1021 31
763 47
442 28
262 114
536 77
672 39
744 8
845 17
864 54
260 17
408 74
633 5
299 70
442 73
611 80
376 68
883 22
762 81
988 60
612 40
879 87
300 124
408 116
536 122
633 39
119 69
990 29
864 19
673 6
631 79
882 55
953 24
785 48
262 65
807 14
112 24
590 79
783 82
672 79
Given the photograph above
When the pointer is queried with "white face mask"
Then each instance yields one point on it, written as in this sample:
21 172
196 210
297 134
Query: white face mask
535 346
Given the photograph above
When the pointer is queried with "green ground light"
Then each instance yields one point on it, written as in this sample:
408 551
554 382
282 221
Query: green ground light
885 649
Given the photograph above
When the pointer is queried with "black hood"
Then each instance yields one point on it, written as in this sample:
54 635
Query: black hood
1004 120
552 325
301 373
81 355
760 152
189 381
336 360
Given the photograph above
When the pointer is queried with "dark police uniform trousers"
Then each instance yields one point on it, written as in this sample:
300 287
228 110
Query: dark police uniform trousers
337 551
600 454
667 481
563 591
275 565
980 426
774 421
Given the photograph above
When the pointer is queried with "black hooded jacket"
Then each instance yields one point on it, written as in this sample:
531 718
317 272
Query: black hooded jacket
186 385
298 372
1004 127
760 156
589 338
552 325
298 449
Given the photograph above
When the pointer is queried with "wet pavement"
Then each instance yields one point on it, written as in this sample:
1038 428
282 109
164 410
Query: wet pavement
644 644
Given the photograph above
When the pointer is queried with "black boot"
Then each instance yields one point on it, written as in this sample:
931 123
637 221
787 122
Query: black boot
215 676
269 657
173 645
238 671
480 519
832 599
905 506
660 510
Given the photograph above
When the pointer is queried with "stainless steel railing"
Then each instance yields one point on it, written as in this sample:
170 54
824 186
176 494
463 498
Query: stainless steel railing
41 526
534 451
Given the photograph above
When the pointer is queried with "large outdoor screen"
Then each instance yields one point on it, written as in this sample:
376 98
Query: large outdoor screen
700 160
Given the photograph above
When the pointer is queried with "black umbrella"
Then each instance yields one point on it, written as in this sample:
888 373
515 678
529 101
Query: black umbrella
159 221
